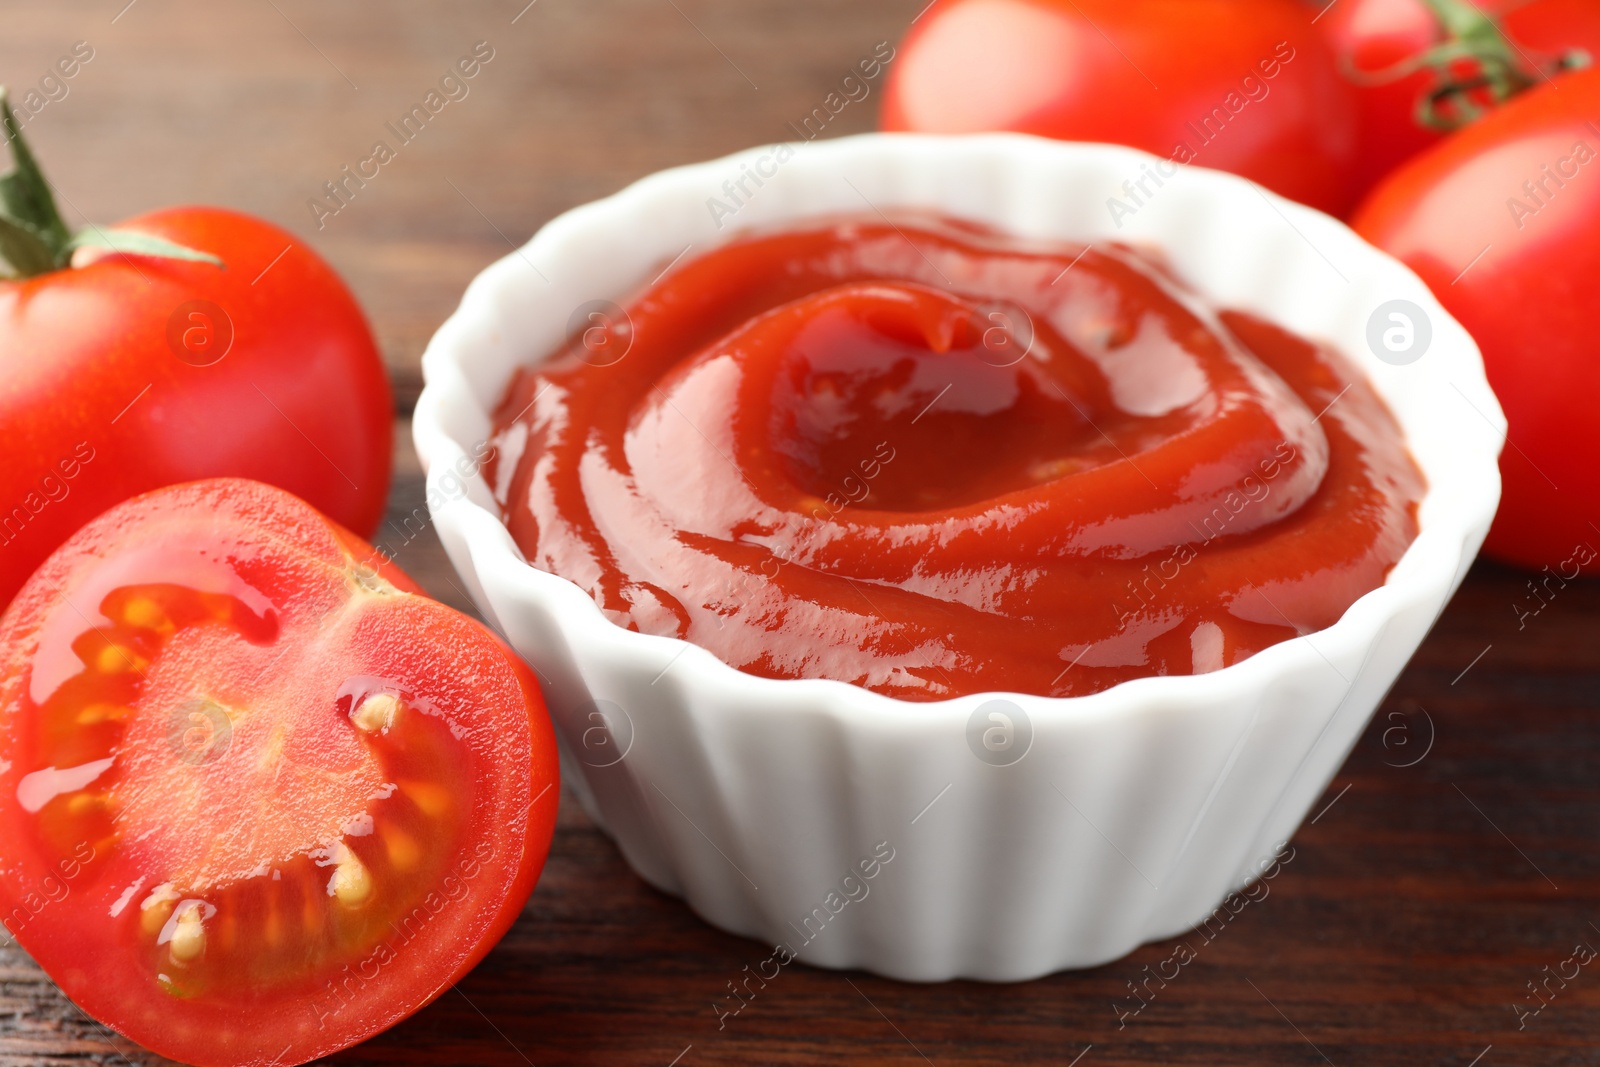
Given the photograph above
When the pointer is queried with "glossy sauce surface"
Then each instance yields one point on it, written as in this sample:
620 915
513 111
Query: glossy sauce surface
931 461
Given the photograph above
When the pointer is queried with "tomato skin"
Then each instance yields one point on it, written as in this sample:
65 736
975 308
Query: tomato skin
95 406
1145 74
1530 301
1548 28
1373 36
489 729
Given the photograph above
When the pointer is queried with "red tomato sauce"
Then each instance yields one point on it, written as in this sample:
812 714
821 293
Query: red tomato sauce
932 460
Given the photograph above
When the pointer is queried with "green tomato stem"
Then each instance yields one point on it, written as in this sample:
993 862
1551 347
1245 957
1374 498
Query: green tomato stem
1497 67
35 240
1473 62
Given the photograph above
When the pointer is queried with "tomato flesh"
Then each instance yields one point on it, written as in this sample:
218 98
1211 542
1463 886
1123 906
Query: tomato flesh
296 799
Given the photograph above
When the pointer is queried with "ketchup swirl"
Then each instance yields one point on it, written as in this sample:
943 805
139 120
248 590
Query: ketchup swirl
932 460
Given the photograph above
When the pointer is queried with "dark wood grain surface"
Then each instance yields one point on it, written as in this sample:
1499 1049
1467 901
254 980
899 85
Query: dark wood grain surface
1455 862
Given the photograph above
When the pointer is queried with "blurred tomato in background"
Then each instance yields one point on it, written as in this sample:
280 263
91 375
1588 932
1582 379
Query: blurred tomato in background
1502 220
1247 86
1457 134
1422 68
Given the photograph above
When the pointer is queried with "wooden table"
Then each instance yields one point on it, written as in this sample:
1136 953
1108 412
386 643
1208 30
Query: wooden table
1454 859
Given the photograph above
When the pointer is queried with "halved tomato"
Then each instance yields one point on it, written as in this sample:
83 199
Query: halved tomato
259 798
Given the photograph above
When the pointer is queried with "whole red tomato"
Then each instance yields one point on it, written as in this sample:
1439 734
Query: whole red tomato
1241 85
1502 220
1421 68
126 372
259 798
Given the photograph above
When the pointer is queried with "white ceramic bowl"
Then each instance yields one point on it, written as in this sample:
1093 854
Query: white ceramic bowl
1132 812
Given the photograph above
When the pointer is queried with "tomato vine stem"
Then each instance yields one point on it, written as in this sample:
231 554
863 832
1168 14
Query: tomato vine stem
1474 62
34 239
